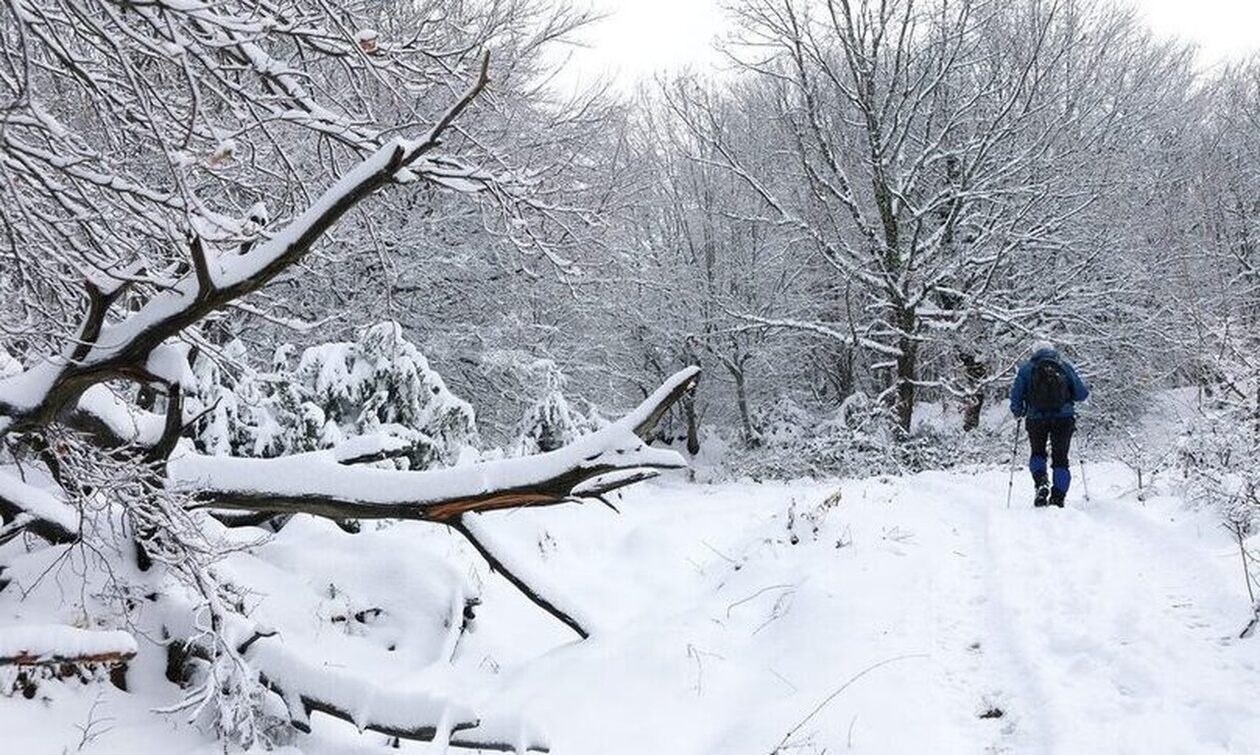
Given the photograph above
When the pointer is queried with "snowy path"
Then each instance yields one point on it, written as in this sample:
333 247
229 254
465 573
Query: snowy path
1124 624
739 618
1103 628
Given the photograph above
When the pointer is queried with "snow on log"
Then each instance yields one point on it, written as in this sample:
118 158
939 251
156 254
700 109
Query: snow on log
35 645
406 714
314 483
364 449
41 512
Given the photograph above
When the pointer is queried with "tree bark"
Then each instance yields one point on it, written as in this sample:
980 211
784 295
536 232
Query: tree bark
741 402
907 370
693 425
974 370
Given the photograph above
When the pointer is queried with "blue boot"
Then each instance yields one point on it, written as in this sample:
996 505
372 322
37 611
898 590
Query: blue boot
1062 481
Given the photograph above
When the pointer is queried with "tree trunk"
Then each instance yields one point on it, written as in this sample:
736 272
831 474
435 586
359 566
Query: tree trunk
693 425
975 371
907 370
741 401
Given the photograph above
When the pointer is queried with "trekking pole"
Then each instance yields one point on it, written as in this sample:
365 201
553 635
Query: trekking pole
1010 485
1084 479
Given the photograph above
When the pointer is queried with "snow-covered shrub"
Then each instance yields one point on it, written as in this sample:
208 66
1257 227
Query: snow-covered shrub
8 365
1217 455
383 384
860 438
552 421
781 422
218 427
518 394
331 392
1216 452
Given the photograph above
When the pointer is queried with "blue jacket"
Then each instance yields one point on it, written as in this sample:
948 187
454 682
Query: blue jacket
1019 390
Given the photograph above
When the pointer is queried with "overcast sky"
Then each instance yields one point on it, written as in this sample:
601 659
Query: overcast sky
643 36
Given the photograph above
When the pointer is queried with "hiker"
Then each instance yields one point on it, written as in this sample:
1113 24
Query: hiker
1045 392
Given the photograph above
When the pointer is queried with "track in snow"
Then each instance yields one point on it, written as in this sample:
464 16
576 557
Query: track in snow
1103 628
1125 627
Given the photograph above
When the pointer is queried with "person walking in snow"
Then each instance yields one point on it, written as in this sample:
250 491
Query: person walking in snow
1045 393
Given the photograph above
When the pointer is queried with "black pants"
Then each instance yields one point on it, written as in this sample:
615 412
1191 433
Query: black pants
1056 433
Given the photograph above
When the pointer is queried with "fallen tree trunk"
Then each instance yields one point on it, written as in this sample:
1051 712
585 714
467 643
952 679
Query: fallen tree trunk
63 652
319 484
32 645
315 483
32 659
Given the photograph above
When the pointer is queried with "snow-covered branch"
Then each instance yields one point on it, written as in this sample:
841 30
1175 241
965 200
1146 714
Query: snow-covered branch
35 645
315 483
414 715
38 511
121 350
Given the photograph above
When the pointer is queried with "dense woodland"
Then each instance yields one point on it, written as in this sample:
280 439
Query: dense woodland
367 260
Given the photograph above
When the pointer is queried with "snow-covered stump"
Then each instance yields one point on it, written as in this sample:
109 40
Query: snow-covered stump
31 653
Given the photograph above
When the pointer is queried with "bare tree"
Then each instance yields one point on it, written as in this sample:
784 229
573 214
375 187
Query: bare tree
928 152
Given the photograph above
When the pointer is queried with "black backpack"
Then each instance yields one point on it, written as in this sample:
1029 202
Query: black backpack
1049 389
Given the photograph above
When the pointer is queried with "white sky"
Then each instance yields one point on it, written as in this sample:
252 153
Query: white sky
644 36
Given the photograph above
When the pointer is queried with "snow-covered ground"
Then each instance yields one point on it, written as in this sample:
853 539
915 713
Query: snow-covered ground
875 616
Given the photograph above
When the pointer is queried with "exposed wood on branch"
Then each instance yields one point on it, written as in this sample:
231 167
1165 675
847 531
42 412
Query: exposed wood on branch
62 652
28 659
657 404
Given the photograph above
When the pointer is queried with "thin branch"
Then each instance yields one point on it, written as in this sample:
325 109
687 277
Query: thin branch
497 566
818 708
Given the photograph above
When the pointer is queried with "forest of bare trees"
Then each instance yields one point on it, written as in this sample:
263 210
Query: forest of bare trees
363 261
